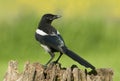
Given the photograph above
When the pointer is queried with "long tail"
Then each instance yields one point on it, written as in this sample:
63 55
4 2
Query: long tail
77 58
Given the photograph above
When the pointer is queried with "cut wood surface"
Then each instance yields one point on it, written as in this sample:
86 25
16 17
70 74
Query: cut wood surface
54 72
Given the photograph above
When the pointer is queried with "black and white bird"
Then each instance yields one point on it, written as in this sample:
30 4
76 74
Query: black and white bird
51 40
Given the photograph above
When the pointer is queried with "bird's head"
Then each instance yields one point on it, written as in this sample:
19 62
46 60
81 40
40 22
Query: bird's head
48 18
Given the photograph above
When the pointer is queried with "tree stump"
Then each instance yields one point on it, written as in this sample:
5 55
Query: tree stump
54 72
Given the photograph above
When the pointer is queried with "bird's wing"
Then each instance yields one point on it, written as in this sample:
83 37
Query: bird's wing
53 41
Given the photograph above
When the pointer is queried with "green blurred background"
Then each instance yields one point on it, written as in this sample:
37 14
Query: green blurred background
91 28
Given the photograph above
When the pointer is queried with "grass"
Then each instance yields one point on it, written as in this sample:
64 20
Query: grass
94 39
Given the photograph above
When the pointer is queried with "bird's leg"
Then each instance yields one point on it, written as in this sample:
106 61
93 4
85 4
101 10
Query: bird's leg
52 56
59 57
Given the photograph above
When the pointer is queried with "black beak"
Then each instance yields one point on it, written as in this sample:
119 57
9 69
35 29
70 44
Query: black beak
57 16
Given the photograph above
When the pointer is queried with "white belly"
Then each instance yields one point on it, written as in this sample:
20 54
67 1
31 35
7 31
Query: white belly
46 48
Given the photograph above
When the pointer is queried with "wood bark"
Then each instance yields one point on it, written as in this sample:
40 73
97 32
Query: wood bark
54 72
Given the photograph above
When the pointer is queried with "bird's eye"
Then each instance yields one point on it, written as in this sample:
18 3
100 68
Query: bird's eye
47 17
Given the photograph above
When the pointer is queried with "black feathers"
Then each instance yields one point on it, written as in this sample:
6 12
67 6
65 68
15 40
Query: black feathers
51 40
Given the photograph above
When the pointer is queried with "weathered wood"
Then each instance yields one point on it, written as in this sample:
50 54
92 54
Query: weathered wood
54 72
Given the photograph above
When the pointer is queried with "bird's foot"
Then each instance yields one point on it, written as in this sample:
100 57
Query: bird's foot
45 66
55 62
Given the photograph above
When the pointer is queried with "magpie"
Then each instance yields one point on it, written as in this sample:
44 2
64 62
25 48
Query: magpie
51 40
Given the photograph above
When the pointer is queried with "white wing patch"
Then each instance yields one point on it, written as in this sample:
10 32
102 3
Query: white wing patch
40 32
58 32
